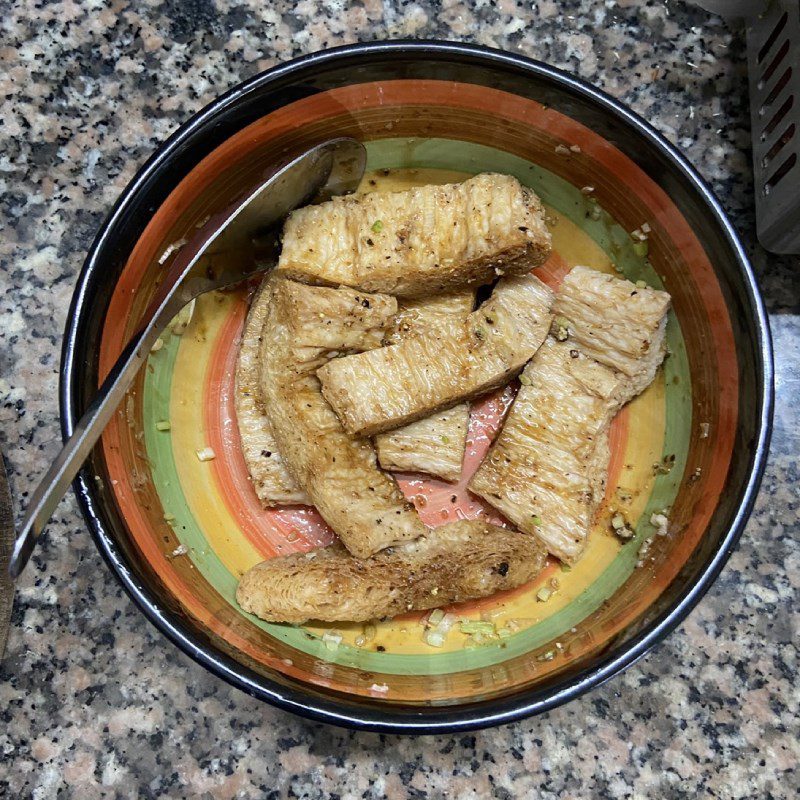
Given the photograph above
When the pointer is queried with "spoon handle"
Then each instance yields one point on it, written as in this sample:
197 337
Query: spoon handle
58 478
6 539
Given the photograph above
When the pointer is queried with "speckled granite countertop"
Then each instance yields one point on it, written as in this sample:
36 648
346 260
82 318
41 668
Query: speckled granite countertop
93 702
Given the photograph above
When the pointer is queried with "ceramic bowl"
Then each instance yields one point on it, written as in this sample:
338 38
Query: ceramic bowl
179 532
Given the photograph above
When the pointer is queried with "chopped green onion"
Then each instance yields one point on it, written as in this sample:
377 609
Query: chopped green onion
377 226
566 568
641 248
163 425
370 632
544 594
536 519
445 440
561 328
524 380
477 626
641 285
504 633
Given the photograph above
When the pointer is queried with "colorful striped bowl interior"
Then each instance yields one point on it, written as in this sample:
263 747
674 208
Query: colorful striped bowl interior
199 526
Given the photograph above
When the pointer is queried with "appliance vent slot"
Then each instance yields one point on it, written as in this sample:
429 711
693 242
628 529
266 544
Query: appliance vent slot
779 145
774 64
776 32
773 59
780 173
778 117
776 90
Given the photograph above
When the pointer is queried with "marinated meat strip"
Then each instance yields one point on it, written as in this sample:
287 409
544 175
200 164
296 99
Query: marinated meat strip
272 482
434 445
303 327
547 469
393 386
426 240
460 561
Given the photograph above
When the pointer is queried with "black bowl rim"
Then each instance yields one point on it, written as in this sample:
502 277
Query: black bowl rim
357 713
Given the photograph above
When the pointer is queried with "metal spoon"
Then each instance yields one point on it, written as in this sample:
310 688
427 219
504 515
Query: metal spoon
229 248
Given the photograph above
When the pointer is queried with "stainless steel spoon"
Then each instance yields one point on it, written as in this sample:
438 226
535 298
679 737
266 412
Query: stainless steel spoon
229 248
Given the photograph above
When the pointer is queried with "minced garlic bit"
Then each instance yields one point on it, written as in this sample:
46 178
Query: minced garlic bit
379 687
180 550
704 429
621 527
436 616
666 465
562 150
587 190
544 594
596 212
575 148
644 549
163 425
548 656
660 523
332 640
206 454
173 248
157 345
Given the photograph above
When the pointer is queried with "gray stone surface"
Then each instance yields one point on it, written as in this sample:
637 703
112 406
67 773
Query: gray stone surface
93 702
